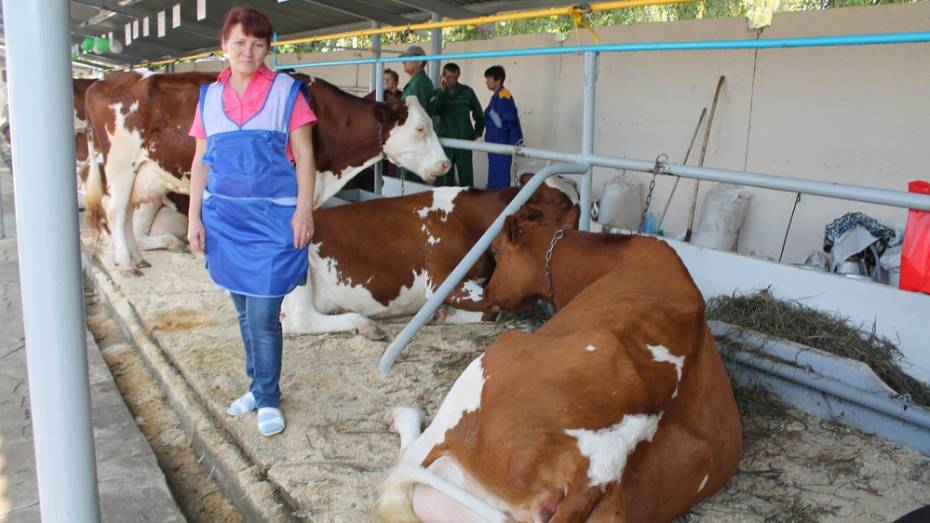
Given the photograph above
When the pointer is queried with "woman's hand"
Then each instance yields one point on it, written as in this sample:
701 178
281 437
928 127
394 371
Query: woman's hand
196 235
302 223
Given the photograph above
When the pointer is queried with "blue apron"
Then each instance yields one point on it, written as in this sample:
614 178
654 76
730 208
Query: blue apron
251 195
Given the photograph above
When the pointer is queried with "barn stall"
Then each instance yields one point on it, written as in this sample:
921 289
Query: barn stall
159 324
326 465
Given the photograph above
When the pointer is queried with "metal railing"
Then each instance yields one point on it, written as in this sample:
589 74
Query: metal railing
449 284
588 159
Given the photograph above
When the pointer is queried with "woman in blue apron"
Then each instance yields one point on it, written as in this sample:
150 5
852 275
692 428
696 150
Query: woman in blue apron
252 183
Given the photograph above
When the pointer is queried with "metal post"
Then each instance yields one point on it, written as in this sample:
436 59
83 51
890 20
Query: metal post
587 137
435 48
2 222
377 71
274 51
444 290
38 58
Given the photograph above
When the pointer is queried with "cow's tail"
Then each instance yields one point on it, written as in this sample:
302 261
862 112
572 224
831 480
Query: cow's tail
395 499
395 503
93 190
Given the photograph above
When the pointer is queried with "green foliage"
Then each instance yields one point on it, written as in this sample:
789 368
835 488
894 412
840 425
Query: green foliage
758 11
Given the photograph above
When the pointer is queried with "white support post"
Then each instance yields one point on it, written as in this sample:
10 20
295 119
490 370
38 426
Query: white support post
587 137
377 73
41 115
2 222
435 48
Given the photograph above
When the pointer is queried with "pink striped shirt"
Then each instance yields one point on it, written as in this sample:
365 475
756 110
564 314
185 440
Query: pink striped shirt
240 110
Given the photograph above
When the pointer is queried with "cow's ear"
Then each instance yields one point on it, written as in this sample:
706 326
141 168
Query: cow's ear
514 230
531 214
570 219
384 114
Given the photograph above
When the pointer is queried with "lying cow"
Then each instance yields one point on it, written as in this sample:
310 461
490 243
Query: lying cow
140 126
618 409
399 251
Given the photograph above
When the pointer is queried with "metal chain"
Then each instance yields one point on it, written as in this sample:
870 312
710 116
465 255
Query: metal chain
656 170
513 162
784 242
555 239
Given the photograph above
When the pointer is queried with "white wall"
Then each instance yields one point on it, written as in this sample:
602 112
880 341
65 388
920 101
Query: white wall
856 115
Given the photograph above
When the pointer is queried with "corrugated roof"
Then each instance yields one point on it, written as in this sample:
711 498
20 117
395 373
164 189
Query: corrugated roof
290 18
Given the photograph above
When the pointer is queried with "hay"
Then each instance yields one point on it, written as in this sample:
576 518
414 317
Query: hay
831 333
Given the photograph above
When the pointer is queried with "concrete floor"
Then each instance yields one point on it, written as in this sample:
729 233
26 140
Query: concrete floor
131 486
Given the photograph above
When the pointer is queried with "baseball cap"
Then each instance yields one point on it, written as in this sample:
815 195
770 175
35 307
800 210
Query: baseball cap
414 50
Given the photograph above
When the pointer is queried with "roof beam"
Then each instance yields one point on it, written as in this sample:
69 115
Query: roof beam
138 13
147 46
440 7
369 12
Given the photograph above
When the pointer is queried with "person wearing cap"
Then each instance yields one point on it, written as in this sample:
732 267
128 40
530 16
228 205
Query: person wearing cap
503 126
456 106
420 86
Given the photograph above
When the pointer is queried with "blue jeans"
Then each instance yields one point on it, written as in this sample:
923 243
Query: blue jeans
260 325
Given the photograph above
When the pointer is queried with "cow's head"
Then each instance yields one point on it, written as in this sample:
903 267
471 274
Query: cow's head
411 142
519 251
556 200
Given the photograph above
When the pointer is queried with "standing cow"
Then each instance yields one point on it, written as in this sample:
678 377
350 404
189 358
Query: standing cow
140 126
618 409
399 251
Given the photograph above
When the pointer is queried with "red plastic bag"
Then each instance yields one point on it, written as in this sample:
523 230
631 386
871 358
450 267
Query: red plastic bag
915 252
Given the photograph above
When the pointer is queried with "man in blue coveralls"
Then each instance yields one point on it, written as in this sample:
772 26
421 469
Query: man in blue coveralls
502 126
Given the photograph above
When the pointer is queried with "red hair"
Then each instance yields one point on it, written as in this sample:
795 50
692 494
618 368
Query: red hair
254 23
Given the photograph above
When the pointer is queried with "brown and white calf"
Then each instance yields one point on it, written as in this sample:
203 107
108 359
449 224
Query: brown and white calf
384 258
140 126
618 409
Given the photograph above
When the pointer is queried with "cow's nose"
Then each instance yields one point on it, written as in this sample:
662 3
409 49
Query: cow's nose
444 166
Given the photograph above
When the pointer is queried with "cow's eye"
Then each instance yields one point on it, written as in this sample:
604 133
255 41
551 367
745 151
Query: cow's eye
421 129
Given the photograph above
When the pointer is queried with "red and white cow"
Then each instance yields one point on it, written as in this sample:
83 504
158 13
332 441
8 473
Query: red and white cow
140 124
79 87
618 409
399 251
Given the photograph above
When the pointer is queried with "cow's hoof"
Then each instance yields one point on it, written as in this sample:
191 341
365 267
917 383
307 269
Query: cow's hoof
441 315
373 333
403 414
175 244
143 265
130 273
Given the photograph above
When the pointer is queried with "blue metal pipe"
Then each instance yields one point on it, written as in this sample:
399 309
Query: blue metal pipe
694 45
426 312
274 51
587 137
378 81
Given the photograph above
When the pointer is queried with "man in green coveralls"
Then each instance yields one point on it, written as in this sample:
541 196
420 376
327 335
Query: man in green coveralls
456 106
420 86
